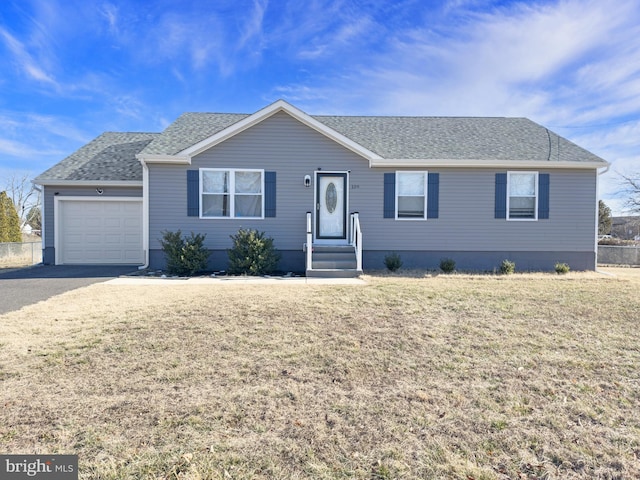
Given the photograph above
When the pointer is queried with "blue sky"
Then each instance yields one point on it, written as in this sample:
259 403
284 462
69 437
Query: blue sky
71 69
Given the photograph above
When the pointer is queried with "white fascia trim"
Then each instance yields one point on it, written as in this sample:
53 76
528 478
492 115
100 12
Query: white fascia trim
179 159
268 111
56 214
88 183
510 164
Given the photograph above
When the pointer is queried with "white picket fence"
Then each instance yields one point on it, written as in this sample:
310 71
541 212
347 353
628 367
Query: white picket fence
617 255
20 254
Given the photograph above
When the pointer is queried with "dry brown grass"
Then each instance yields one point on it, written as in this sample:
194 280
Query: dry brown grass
16 255
462 377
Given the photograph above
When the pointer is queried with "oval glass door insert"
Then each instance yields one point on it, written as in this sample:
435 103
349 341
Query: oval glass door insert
331 197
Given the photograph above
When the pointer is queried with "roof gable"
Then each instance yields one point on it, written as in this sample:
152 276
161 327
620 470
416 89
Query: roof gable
171 147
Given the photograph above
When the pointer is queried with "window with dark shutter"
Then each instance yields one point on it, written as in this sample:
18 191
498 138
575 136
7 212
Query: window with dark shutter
389 195
193 193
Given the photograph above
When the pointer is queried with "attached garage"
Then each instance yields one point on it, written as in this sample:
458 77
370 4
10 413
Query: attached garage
98 231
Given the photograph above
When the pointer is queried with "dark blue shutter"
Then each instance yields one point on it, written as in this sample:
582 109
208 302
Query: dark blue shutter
543 196
501 195
269 194
193 193
433 192
389 195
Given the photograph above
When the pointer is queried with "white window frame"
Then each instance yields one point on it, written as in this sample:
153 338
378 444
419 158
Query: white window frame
426 191
232 193
535 201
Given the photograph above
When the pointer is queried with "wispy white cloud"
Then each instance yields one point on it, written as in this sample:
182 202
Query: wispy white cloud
252 29
22 150
535 59
24 61
110 13
37 127
502 62
330 42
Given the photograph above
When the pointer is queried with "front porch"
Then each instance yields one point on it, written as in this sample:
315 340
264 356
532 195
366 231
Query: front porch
337 260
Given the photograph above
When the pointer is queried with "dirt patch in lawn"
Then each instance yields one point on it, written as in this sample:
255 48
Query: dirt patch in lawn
466 377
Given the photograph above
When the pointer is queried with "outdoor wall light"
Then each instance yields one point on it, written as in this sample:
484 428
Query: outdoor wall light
307 180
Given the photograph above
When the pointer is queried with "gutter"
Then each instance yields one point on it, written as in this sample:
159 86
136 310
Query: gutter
605 170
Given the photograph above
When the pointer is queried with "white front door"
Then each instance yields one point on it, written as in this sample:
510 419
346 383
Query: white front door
331 206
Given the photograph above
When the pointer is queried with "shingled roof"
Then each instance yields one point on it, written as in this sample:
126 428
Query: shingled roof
458 139
454 140
109 157
189 129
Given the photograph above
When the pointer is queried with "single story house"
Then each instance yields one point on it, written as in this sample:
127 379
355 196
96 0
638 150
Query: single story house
336 193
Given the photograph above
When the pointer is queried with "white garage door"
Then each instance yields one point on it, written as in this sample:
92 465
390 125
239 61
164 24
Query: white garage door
99 232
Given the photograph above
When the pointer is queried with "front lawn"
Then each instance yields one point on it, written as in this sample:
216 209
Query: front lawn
462 377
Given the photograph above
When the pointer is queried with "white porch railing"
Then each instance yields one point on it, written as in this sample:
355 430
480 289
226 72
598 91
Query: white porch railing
356 239
309 245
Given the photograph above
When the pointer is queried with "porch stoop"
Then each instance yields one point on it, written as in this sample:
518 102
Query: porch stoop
333 261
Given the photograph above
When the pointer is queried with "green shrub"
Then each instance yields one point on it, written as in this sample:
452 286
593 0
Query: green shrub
185 256
393 261
562 268
9 220
507 267
447 265
252 253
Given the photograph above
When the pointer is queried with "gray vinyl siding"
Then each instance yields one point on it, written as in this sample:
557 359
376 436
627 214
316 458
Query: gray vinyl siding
66 191
466 217
280 144
466 220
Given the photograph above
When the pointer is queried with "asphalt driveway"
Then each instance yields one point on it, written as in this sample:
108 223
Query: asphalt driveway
26 286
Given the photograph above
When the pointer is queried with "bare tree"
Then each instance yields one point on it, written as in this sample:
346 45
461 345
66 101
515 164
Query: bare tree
24 195
631 186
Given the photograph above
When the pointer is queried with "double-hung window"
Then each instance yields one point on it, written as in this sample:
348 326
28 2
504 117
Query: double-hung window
230 193
411 195
522 197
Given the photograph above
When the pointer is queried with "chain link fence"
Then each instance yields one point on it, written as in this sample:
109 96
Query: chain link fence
20 254
615 255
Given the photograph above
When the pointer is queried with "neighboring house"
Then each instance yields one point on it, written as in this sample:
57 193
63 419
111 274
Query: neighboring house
626 228
477 190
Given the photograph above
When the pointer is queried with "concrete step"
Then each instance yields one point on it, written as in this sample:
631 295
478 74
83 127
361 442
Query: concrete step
334 256
333 273
333 261
333 249
334 264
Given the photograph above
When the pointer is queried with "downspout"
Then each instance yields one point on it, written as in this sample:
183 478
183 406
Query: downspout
38 188
598 211
145 214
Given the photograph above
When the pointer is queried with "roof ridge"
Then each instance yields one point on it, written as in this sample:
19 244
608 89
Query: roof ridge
129 133
455 117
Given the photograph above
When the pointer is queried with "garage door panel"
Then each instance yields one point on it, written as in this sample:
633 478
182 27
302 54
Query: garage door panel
112 222
113 239
113 255
92 222
95 232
